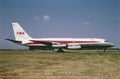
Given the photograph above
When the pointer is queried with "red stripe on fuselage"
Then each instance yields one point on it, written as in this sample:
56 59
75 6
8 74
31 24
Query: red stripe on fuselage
63 42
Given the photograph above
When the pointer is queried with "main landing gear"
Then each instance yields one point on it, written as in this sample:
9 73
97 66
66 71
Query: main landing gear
59 50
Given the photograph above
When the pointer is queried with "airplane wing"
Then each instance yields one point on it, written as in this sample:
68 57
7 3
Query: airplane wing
51 44
43 42
59 45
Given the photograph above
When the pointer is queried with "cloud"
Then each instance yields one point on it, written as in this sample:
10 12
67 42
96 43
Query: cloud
86 23
46 18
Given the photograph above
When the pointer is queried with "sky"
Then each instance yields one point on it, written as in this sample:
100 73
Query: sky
60 18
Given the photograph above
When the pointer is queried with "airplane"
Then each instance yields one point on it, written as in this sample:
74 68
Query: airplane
58 44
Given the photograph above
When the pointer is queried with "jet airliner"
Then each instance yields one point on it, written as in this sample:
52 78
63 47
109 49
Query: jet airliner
22 38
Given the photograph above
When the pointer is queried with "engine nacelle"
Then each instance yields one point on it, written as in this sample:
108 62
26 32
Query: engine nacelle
73 46
59 45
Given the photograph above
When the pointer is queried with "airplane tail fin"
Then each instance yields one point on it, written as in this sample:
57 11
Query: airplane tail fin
19 32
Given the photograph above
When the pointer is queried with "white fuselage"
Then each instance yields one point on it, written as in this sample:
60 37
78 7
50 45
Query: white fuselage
21 37
80 41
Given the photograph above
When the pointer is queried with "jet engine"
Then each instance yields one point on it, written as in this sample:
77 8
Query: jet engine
73 46
59 45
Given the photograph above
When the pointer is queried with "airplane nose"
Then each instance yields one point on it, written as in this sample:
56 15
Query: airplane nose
110 44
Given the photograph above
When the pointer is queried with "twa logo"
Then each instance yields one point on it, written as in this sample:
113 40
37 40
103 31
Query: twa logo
20 33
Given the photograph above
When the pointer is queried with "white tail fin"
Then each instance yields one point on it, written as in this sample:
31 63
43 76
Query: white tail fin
19 32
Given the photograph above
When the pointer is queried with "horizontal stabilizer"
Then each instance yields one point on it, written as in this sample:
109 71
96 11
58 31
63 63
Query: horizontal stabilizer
13 41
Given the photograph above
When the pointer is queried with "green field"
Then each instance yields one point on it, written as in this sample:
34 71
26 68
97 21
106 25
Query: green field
82 64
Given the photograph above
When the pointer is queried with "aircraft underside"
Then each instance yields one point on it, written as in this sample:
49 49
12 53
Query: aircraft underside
61 49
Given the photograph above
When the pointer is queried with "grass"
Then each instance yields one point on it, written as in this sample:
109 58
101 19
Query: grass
82 64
